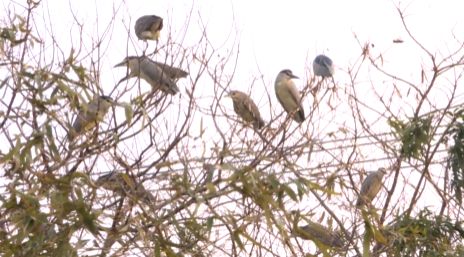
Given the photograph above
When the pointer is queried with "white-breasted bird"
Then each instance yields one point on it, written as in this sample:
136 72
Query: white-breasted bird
288 95
89 115
370 187
246 108
148 27
159 75
323 66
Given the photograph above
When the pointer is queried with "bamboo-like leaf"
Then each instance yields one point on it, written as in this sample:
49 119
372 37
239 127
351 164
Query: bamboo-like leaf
128 111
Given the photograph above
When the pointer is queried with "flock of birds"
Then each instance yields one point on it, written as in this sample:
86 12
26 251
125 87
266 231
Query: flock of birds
286 91
163 77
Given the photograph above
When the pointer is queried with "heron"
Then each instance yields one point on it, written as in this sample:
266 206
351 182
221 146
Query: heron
90 115
246 108
288 95
159 75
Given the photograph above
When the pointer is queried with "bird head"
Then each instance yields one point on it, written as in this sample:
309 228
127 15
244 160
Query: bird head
148 27
106 99
234 94
323 60
129 61
288 74
383 170
132 63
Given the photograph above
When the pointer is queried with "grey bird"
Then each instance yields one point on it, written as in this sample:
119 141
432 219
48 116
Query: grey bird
159 75
319 234
90 115
123 184
323 66
288 95
246 108
370 187
148 27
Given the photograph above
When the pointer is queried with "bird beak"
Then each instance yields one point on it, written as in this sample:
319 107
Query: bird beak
294 77
123 63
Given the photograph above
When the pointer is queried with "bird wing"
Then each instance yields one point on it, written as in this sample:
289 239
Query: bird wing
316 232
326 62
172 72
369 188
376 185
299 116
253 110
84 120
147 23
155 76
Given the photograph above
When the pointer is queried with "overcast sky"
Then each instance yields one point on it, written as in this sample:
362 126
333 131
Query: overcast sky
273 35
269 36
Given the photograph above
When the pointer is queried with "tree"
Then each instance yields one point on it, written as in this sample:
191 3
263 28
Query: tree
184 175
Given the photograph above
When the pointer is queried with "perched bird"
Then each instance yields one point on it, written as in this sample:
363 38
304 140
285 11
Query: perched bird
246 108
148 27
89 115
288 95
123 184
319 234
323 66
370 187
159 75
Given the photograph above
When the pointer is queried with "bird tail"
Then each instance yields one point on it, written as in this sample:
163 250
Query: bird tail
299 116
259 124
173 89
359 202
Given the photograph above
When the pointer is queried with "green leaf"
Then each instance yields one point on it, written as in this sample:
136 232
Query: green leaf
209 223
413 134
128 111
236 238
51 143
289 191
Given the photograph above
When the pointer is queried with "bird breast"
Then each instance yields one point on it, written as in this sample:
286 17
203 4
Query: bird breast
284 92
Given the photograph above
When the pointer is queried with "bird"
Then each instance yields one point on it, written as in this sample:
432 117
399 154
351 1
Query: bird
123 184
159 75
370 187
89 115
320 234
323 66
288 95
148 27
246 108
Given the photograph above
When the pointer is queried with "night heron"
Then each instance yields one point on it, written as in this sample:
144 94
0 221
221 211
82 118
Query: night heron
159 75
370 187
246 108
319 234
148 27
89 115
123 184
323 66
288 95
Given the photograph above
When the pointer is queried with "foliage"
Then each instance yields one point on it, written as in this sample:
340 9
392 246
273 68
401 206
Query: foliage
183 175
456 157
413 135
425 235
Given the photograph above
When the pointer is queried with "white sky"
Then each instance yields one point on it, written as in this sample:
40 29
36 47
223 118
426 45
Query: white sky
269 35
274 34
